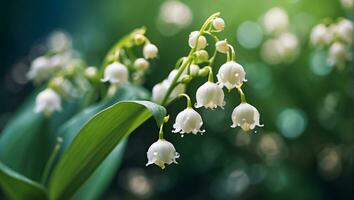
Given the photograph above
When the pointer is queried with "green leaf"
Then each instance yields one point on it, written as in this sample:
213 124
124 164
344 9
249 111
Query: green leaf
19 187
102 177
27 141
98 182
96 140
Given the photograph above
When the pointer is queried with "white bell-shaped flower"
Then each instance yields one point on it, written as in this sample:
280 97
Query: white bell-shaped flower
116 73
288 46
141 64
194 69
344 30
161 152
150 51
246 116
47 102
41 69
231 75
338 54
320 35
219 24
210 95
276 20
192 41
160 89
188 121
222 46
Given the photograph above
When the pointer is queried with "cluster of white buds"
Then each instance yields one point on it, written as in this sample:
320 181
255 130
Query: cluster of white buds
337 38
209 95
58 63
124 67
282 46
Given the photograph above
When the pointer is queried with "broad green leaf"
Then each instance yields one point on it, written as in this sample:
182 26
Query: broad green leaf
98 182
27 141
18 187
96 140
103 175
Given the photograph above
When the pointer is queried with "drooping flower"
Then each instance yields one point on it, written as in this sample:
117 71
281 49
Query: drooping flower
231 75
91 72
116 73
201 56
194 69
161 152
288 46
192 41
47 102
246 116
210 95
276 20
320 35
219 24
141 64
188 121
150 51
41 69
344 30
160 89
222 46
338 54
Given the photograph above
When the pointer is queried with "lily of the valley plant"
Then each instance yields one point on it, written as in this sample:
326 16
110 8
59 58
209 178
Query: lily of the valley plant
64 78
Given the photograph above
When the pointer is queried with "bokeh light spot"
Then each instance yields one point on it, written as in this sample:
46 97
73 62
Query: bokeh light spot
249 34
319 64
291 123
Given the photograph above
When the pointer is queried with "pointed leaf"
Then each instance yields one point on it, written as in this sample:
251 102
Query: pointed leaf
96 140
19 187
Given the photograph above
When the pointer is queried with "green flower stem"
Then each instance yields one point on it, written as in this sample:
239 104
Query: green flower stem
210 74
233 54
161 131
49 164
189 102
216 39
189 58
242 95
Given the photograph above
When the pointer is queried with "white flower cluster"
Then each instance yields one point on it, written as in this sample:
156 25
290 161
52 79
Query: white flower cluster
282 46
60 58
117 72
337 37
231 75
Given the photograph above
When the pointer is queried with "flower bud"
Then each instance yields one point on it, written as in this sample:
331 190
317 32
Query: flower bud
246 116
320 35
47 102
347 4
160 89
219 24
188 121
186 79
222 46
201 56
276 20
204 71
344 30
116 73
210 95
192 41
161 152
288 46
141 64
231 75
194 69
138 39
40 70
150 51
338 54
91 72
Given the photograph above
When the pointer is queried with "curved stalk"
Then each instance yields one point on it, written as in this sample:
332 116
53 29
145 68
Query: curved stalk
189 58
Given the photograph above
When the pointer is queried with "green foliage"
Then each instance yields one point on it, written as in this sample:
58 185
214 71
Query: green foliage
92 149
94 142
19 187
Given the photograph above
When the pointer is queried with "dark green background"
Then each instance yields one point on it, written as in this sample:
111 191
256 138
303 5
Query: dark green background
211 166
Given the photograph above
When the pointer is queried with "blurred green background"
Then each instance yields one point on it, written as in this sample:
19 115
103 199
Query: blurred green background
305 149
